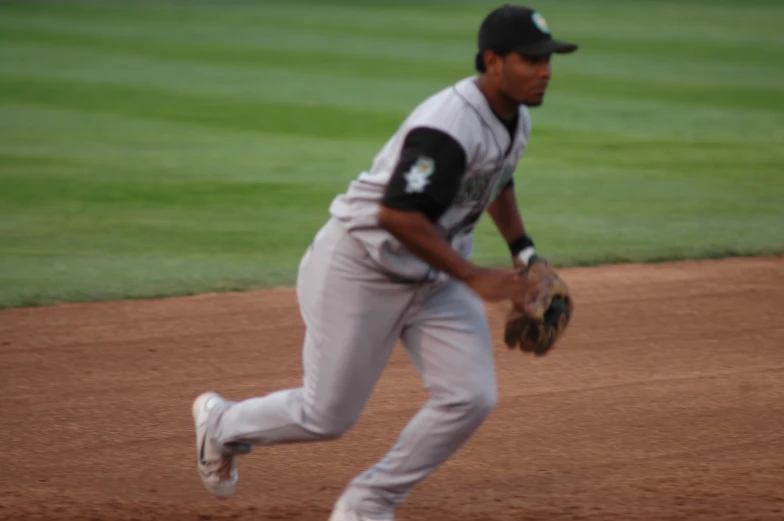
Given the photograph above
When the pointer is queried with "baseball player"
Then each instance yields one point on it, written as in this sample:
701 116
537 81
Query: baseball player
392 264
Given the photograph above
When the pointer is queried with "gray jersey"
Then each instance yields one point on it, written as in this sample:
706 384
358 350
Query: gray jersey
462 112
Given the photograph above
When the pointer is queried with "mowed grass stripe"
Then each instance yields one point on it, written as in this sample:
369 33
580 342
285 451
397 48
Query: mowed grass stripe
682 49
242 83
687 23
604 107
617 119
206 207
368 21
278 37
177 152
678 21
607 59
48 135
612 53
218 112
77 52
757 54
690 95
252 58
731 163
329 121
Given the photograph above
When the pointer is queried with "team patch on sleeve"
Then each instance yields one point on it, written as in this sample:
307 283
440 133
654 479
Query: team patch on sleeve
418 177
427 174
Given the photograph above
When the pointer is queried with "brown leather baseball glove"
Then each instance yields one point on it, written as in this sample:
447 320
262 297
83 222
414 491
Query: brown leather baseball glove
538 319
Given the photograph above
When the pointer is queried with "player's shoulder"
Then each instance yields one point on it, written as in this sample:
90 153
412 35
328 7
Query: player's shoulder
452 110
454 102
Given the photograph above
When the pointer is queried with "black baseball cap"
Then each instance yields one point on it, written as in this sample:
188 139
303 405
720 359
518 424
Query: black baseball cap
514 28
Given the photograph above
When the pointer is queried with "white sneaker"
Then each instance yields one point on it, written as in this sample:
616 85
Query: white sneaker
218 470
342 512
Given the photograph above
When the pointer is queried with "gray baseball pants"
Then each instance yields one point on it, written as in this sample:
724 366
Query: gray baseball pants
354 315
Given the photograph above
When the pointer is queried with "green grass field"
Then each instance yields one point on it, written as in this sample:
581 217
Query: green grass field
172 148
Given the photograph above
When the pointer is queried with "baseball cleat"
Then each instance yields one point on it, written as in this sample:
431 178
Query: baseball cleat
217 468
343 512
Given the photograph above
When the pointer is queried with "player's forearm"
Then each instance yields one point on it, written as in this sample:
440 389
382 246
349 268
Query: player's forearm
421 238
506 216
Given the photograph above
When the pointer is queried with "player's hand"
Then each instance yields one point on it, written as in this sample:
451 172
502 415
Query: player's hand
494 285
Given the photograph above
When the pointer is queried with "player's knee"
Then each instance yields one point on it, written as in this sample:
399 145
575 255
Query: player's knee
328 427
476 403
333 430
483 401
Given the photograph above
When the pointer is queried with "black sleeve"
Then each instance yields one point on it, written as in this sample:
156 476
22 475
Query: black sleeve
428 173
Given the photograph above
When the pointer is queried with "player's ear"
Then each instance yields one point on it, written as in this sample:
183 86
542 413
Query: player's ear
492 62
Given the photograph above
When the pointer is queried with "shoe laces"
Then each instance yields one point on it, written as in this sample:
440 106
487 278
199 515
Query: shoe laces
225 468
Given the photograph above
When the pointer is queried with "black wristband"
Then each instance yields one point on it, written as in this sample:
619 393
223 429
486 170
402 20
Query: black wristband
519 244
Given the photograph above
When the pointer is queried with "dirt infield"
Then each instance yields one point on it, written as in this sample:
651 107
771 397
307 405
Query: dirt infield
665 401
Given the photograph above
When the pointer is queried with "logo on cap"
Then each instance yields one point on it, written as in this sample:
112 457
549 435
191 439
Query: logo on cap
540 22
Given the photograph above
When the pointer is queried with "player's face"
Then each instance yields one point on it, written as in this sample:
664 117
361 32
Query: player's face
524 79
